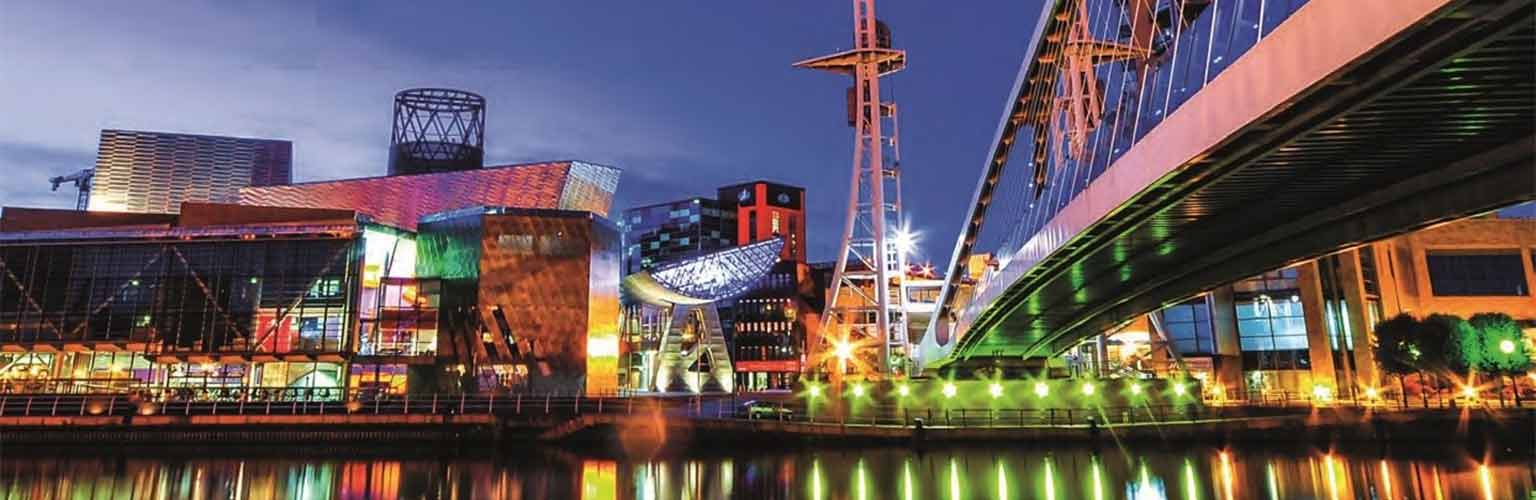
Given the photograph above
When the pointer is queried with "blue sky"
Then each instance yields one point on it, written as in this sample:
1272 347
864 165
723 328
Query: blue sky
685 95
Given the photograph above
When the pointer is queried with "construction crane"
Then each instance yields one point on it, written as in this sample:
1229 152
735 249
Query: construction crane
82 181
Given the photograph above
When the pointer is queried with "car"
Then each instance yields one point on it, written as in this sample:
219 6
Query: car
756 410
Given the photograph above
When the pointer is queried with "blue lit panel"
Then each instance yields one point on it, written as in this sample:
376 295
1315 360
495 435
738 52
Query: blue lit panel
706 278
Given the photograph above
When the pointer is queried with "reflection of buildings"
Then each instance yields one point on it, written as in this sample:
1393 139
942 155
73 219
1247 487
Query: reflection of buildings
767 326
673 340
1309 324
153 172
303 291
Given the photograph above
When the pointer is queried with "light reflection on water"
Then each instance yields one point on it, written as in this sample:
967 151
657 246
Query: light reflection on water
861 474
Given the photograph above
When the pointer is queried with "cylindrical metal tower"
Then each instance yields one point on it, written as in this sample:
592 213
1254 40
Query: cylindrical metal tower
437 130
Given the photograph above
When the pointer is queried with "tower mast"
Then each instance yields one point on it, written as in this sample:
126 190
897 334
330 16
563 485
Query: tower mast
866 304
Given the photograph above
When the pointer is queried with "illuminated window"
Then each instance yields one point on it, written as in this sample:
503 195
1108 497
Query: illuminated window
775 223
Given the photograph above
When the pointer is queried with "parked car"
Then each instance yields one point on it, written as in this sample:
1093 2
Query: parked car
766 409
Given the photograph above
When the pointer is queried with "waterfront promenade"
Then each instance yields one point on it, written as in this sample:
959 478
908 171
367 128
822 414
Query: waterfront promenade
678 421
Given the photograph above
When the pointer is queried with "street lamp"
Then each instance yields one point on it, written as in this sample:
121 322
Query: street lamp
996 390
950 390
905 240
1042 390
843 350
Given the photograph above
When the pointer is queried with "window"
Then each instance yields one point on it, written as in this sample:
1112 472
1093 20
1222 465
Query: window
775 223
752 226
1270 316
1188 326
1479 275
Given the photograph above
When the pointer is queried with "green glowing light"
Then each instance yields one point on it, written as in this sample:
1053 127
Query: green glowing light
906 479
950 390
1098 480
863 490
1135 388
255 280
1042 390
996 390
1088 388
816 479
1050 481
1507 346
815 391
1180 390
1189 481
954 480
903 390
1002 481
858 390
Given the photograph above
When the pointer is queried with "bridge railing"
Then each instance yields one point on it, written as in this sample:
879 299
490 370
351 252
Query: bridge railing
723 407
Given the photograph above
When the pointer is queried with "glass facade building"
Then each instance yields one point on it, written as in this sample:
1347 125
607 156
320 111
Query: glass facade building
665 232
183 308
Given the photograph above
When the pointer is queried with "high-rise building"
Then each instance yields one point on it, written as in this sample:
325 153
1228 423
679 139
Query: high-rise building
765 209
154 172
664 232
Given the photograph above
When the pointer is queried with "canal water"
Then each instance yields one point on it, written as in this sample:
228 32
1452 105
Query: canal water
1029 472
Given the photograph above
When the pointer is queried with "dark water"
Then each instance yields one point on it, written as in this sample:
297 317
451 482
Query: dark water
880 473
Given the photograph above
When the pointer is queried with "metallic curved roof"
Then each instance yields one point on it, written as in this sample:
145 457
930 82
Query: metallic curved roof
707 278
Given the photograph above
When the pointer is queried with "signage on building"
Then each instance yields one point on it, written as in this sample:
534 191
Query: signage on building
784 365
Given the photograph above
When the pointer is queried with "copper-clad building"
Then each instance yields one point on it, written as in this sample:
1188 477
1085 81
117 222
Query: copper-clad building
530 297
402 200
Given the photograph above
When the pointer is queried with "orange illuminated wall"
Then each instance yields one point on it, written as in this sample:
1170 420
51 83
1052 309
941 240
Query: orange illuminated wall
764 209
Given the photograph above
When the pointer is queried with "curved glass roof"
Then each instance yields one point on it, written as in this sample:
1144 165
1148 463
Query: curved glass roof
706 278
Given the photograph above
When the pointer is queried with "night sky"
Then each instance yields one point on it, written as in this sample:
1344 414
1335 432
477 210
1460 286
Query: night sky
684 95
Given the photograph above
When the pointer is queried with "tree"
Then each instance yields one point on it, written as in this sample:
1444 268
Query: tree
1396 349
1463 344
1440 340
1503 348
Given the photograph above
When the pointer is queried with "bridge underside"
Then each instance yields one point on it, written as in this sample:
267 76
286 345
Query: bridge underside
1434 125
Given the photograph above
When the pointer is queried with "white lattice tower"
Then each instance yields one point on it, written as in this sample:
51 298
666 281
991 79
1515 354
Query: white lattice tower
866 304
